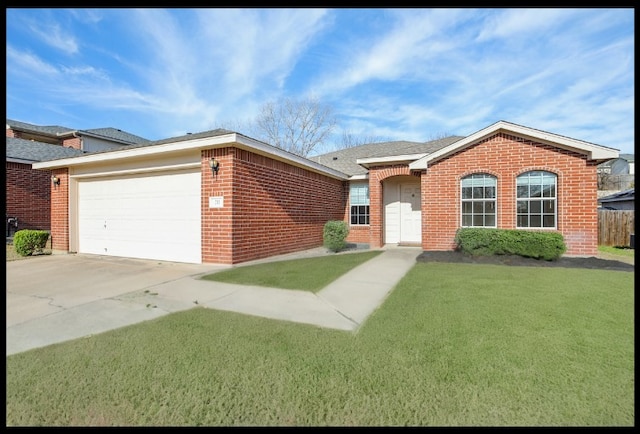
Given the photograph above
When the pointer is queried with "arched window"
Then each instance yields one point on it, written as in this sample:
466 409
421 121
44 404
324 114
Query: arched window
478 200
536 200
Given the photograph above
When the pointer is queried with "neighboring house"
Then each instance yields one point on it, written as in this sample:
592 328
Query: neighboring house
28 191
624 200
222 197
617 174
623 165
92 140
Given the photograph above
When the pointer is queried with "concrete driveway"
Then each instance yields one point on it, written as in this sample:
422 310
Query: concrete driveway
41 286
56 298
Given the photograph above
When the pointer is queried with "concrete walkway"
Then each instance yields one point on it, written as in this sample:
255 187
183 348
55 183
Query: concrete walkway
45 307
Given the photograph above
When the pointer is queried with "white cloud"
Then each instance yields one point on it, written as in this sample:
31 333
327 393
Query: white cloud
53 35
26 63
398 73
522 23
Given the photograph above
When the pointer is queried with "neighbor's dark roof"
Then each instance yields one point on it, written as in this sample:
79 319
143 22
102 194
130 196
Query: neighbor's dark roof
117 134
30 150
51 130
344 160
57 131
203 134
191 136
620 196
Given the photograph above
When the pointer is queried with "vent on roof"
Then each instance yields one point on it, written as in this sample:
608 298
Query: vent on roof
335 158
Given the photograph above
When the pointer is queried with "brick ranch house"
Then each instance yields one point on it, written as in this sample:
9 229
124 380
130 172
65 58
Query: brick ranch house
28 191
163 200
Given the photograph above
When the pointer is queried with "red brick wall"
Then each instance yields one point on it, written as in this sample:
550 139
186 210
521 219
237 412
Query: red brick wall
73 142
270 207
217 223
60 211
27 196
359 234
506 157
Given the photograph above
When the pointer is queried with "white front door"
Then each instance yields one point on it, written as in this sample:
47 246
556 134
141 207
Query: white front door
410 214
402 211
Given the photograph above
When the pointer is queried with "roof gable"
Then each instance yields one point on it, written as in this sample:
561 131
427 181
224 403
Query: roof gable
593 152
353 161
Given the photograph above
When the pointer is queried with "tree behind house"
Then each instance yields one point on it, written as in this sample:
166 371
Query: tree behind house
297 126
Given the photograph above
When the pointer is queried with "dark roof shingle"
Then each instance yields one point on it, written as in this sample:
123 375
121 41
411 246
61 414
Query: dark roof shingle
56 131
619 196
116 134
30 150
344 160
51 130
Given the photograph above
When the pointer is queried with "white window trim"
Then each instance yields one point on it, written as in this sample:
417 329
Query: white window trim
368 204
494 200
555 204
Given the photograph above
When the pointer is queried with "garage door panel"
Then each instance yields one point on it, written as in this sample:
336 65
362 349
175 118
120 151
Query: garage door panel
151 217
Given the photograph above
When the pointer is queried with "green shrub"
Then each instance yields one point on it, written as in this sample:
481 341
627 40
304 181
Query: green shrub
28 241
530 244
335 234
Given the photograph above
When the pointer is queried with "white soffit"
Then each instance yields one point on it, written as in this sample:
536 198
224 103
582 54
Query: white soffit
359 177
594 152
394 159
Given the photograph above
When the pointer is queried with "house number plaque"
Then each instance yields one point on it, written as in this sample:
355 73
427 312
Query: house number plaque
216 202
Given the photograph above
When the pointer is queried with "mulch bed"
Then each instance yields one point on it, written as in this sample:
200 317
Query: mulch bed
567 262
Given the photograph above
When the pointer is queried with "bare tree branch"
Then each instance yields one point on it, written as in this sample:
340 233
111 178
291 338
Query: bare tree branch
350 140
297 126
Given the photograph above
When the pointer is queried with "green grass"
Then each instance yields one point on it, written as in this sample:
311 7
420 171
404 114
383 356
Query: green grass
308 274
453 345
622 251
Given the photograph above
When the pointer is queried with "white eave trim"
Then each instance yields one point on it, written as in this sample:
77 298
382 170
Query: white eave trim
20 160
359 177
593 152
394 159
212 142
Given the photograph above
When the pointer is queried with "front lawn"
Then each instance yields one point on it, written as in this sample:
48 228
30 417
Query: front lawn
307 274
453 345
622 251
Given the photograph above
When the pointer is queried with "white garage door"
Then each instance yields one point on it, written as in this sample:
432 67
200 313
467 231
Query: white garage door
141 216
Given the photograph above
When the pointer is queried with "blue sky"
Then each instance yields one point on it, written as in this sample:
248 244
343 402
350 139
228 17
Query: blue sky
394 74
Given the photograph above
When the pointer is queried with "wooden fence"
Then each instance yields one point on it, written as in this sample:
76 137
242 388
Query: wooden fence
615 227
